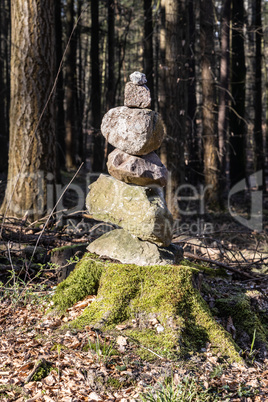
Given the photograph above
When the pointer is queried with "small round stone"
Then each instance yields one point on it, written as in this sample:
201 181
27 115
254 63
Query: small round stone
138 78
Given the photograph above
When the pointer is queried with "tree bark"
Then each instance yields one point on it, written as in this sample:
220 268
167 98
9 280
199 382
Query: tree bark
148 56
173 93
259 146
32 132
98 154
110 98
4 85
60 124
70 120
194 166
237 115
223 92
211 170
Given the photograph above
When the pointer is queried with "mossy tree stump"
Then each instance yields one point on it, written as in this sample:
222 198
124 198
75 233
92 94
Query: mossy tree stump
130 292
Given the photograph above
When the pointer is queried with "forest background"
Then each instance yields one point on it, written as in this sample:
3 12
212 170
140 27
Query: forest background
64 64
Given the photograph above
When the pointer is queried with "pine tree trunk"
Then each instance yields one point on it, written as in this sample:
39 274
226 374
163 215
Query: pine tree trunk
211 171
173 93
32 138
194 162
259 145
96 89
148 58
70 137
60 124
237 115
110 98
223 92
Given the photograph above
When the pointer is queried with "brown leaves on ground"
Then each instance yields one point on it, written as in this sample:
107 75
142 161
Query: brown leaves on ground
87 366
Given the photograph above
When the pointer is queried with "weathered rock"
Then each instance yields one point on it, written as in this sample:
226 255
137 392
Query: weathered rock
138 78
128 249
135 131
141 211
137 96
141 170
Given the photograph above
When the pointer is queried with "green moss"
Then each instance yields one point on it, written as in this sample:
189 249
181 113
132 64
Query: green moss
42 371
114 383
245 318
70 247
83 281
164 292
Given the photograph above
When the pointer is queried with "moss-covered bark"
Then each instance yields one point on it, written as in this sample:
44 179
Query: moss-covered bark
141 297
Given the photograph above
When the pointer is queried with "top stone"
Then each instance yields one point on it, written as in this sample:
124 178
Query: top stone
138 78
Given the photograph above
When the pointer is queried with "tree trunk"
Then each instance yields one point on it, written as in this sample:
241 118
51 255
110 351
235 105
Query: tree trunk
237 115
4 85
32 132
194 165
70 84
148 57
110 98
60 124
223 92
211 171
173 93
98 154
259 145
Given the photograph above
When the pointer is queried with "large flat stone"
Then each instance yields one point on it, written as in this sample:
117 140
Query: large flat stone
135 131
128 249
141 170
137 96
142 211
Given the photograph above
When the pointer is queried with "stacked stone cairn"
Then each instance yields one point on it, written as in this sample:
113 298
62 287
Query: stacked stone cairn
131 197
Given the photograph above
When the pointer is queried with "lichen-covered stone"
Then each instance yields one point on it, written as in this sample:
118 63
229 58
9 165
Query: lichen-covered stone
135 131
141 170
141 211
138 78
126 248
137 96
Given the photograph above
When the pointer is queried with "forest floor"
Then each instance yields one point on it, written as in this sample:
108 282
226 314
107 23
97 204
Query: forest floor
40 362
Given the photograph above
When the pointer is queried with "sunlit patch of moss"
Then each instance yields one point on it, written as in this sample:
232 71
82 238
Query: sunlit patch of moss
43 371
83 281
163 292
245 318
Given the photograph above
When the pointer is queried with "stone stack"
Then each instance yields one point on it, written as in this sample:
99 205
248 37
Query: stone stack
132 196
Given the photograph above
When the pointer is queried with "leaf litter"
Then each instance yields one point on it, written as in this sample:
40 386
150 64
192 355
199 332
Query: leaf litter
91 366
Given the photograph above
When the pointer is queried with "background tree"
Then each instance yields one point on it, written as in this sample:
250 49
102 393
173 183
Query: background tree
96 89
60 124
224 96
173 91
259 143
237 116
32 156
4 82
70 90
209 137
148 53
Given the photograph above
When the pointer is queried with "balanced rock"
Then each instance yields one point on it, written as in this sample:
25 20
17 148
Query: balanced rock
137 96
142 211
138 78
126 248
135 131
141 170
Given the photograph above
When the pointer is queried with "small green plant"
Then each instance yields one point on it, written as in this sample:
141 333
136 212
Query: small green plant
189 390
103 350
252 351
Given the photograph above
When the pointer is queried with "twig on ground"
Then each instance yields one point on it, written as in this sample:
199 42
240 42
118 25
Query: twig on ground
220 264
